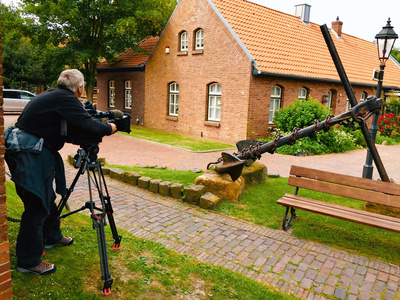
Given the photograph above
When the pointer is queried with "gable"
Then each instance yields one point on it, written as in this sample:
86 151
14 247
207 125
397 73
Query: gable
282 44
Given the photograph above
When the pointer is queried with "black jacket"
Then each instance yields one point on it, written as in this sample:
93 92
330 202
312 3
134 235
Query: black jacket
35 171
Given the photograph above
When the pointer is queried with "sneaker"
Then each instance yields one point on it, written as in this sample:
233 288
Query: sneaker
42 269
65 241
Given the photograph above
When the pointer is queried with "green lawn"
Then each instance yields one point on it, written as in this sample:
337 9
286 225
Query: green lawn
176 140
141 269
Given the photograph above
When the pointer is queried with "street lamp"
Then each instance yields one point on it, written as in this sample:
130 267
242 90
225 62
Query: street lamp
385 40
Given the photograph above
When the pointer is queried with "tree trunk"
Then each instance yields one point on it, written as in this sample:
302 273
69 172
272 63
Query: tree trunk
91 80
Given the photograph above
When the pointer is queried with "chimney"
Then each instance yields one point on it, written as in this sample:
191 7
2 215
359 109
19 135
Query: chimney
337 27
303 12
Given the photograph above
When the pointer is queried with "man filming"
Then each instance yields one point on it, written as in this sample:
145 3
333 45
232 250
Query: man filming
32 156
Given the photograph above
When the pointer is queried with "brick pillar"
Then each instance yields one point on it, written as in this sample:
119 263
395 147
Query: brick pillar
5 272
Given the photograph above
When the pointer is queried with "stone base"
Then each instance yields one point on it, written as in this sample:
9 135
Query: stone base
255 173
221 185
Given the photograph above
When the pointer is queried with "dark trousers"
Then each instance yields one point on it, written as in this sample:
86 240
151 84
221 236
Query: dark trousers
35 221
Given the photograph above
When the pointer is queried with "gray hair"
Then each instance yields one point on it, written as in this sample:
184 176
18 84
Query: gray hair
71 79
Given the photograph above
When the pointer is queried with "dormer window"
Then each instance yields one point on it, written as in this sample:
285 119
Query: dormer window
199 39
184 41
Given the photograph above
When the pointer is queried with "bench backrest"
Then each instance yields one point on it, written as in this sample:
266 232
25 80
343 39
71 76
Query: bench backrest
368 190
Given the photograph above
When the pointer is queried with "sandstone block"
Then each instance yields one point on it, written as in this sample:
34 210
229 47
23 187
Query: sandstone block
193 193
144 182
255 173
209 201
176 190
221 185
154 185
131 177
115 173
163 188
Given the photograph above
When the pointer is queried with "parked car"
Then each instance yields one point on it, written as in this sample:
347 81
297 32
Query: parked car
16 100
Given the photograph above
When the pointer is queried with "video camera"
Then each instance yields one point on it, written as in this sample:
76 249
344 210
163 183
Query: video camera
120 119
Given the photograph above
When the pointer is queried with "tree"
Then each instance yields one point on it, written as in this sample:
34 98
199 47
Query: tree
396 54
26 64
87 31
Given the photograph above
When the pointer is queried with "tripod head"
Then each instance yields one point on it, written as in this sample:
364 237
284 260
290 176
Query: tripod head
87 153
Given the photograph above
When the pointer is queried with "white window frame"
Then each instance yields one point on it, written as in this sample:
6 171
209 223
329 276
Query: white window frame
302 93
275 103
184 41
363 96
329 99
128 94
214 102
199 43
111 93
348 105
173 99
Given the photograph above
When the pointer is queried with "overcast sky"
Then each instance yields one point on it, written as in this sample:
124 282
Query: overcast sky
361 18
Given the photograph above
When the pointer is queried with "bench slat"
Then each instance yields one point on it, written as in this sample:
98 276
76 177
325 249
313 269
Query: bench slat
345 191
362 183
341 212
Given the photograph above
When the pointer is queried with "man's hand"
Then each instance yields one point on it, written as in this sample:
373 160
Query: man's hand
113 128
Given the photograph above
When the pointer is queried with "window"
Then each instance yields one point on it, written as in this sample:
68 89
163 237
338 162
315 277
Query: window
184 41
111 93
363 96
128 94
329 99
302 93
276 96
348 105
199 40
173 99
214 102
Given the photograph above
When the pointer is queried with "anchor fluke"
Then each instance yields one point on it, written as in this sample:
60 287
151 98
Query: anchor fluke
230 164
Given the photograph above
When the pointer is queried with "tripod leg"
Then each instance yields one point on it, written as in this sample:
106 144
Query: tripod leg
106 201
98 224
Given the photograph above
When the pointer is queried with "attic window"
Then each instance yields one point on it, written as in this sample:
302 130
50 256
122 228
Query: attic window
184 41
363 96
199 43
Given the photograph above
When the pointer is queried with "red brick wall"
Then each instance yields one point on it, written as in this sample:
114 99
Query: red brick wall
5 272
260 97
222 60
137 78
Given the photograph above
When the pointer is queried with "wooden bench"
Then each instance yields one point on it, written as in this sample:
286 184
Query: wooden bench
379 192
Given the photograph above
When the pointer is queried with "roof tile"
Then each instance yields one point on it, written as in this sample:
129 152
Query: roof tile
281 43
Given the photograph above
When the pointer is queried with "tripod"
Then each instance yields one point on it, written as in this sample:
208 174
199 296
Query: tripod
86 161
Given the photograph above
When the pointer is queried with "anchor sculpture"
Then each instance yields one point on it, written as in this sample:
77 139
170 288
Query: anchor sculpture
250 150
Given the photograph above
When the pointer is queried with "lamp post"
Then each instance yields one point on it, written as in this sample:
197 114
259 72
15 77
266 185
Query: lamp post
385 41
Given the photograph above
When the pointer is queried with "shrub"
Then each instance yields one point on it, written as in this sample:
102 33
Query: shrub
300 114
389 125
393 106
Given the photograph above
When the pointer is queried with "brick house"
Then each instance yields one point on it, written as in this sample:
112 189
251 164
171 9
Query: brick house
221 69
120 85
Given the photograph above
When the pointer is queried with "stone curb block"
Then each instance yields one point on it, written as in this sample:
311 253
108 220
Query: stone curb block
209 201
154 185
176 190
193 193
163 188
116 173
131 177
144 182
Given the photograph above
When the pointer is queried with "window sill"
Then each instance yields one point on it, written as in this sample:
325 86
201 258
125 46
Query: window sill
196 52
182 53
212 124
171 118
